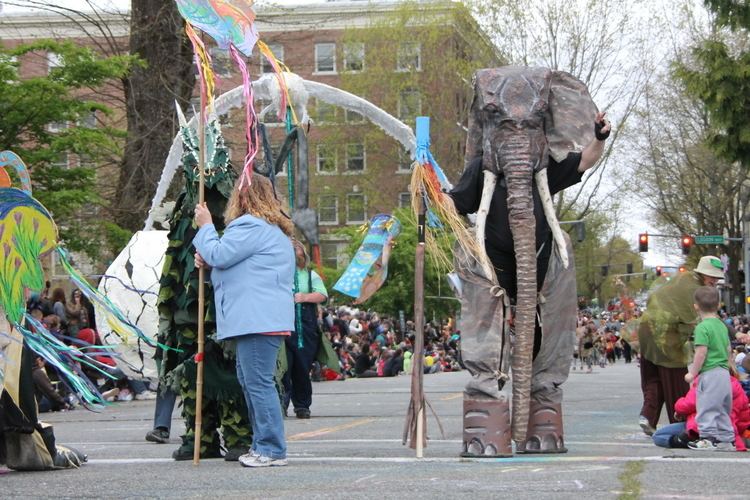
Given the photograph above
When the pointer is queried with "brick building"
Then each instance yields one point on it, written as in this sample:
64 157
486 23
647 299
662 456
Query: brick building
409 59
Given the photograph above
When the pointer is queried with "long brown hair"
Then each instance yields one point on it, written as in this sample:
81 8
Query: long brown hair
258 200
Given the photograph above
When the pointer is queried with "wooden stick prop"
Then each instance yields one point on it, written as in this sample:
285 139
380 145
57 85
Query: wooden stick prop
416 417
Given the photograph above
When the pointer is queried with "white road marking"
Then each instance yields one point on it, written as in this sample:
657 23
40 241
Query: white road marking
579 484
513 460
365 478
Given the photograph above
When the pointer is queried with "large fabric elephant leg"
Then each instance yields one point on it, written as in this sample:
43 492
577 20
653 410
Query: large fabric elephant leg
484 349
552 364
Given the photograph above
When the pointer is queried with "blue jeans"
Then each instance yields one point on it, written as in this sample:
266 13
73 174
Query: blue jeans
165 399
662 434
256 366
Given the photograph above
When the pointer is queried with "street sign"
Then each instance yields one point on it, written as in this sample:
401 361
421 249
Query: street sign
709 240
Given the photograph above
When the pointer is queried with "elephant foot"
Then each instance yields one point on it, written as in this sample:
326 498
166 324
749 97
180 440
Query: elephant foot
486 428
545 431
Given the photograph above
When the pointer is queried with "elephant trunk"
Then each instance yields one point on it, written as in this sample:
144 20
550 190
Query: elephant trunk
518 175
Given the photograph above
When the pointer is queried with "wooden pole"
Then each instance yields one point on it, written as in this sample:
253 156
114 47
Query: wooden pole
201 290
418 377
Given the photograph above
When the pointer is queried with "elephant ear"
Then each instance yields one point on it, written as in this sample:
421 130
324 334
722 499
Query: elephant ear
569 122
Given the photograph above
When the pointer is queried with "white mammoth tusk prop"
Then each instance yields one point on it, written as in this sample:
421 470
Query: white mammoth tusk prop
267 87
549 211
490 179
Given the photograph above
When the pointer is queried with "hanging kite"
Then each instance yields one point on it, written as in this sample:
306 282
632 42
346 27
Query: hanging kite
231 24
27 234
368 269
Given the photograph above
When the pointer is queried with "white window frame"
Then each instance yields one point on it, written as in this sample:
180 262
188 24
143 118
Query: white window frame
328 244
357 48
401 203
348 158
63 164
401 54
318 158
334 114
55 127
349 113
403 158
88 121
319 71
349 220
278 52
417 113
336 210
221 62
54 60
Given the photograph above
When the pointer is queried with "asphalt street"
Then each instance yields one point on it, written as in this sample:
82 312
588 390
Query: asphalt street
351 448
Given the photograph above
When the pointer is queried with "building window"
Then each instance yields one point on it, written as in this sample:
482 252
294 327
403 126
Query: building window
354 117
329 254
88 120
404 200
409 57
324 112
60 161
85 161
354 57
328 209
326 159
356 211
409 105
404 162
325 57
278 51
355 157
55 127
53 61
220 61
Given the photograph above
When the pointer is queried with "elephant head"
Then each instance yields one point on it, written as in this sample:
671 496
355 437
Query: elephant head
519 117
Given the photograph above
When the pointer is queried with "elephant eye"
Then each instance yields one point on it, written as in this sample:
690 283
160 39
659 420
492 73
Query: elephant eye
491 109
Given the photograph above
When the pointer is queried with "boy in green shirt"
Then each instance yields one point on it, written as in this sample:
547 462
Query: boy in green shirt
711 361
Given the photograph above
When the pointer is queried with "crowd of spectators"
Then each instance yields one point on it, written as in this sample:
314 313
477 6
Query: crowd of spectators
73 323
370 345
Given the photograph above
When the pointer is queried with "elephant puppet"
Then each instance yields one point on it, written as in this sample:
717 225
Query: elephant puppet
532 133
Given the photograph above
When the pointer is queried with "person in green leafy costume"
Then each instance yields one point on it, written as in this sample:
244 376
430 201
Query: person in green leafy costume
224 407
664 334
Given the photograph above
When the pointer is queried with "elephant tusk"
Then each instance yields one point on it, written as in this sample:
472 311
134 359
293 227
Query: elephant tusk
549 211
490 179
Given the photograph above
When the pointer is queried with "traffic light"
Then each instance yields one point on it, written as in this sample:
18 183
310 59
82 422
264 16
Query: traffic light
686 243
605 270
580 231
658 271
643 242
682 269
630 267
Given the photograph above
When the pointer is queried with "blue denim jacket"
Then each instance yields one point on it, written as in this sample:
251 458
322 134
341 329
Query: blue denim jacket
252 274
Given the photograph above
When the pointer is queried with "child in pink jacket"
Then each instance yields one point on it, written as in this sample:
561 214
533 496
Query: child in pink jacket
740 416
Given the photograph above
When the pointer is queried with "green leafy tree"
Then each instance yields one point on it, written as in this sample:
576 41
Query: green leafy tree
397 293
717 73
56 124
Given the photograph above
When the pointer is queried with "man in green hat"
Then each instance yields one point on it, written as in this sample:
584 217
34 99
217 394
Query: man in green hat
664 334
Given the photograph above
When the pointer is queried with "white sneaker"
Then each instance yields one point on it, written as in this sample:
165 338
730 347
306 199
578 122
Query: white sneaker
647 429
125 395
251 456
145 395
703 445
263 461
725 446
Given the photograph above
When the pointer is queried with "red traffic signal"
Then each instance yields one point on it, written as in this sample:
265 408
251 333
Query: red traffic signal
686 242
658 270
682 269
643 242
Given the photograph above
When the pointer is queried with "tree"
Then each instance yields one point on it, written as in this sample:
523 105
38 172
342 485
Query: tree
716 73
687 187
157 37
56 120
397 293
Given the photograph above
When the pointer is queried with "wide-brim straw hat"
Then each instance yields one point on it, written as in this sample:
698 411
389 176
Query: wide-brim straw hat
710 266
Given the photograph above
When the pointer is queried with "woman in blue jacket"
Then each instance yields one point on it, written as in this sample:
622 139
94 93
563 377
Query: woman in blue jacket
252 271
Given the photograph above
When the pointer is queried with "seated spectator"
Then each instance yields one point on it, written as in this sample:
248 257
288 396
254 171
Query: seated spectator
129 388
394 365
679 434
47 398
364 363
